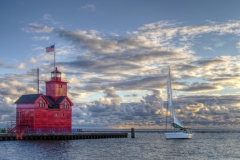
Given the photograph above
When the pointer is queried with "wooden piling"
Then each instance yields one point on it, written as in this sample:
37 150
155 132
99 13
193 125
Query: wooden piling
132 133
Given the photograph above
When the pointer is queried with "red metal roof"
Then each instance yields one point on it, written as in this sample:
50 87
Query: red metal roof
56 71
31 98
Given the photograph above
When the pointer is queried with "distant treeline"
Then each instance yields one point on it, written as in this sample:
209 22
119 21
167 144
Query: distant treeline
3 130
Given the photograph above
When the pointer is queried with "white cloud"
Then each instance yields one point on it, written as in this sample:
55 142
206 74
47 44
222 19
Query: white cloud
238 45
220 44
41 38
37 28
90 7
208 48
22 66
33 60
73 80
48 17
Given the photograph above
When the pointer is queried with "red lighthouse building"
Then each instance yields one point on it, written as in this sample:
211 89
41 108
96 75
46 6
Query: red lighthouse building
50 113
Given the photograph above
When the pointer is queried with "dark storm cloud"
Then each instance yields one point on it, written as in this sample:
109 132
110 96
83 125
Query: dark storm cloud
11 87
149 106
145 109
211 100
9 92
101 66
143 83
198 87
223 78
138 55
134 42
213 61
93 87
219 79
186 67
208 110
8 66
7 109
90 41
215 105
132 95
151 54
98 108
110 93
104 106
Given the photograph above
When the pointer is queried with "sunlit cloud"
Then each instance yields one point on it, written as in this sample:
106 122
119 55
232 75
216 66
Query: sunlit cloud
22 66
33 60
34 27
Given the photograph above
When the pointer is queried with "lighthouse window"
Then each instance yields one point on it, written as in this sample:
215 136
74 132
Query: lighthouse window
65 105
40 104
56 74
60 86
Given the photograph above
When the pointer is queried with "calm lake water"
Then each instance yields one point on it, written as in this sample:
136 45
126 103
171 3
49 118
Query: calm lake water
146 146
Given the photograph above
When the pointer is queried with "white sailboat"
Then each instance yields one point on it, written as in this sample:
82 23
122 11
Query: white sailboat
181 132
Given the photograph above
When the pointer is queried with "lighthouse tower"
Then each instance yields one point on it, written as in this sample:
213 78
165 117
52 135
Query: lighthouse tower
56 88
50 113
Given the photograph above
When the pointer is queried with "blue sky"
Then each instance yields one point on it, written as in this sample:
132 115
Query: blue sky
115 55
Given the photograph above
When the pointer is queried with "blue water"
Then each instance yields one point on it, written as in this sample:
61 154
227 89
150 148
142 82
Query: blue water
146 146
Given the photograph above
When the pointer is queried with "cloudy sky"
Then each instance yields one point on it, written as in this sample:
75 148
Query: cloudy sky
115 56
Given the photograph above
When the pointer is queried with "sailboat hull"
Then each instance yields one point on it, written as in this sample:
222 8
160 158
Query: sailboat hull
178 135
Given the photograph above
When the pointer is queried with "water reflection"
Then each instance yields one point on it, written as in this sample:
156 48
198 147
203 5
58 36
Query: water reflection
144 146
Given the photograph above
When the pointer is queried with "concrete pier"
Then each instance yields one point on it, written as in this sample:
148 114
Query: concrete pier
70 136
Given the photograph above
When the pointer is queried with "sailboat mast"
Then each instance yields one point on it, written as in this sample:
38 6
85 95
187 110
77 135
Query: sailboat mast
169 95
166 117
169 89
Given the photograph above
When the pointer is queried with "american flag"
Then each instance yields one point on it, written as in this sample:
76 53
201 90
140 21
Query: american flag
50 49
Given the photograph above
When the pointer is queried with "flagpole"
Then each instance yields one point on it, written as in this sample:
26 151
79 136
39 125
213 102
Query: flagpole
38 80
54 56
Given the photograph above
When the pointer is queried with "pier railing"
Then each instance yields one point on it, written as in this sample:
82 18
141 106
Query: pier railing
63 79
47 130
26 130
